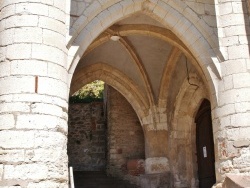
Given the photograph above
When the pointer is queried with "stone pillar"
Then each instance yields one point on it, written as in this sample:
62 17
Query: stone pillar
157 167
33 94
156 142
155 150
231 122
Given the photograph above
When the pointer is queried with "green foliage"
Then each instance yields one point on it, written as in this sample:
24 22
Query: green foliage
89 93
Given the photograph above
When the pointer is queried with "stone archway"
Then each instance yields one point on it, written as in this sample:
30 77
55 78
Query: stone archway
182 133
100 16
114 78
199 50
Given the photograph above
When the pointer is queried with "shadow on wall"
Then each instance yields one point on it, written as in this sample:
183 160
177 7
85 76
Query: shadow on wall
246 10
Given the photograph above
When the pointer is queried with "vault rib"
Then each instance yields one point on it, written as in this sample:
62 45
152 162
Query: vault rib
132 52
166 76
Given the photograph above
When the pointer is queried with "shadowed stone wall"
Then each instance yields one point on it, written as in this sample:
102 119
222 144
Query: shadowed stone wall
125 135
87 137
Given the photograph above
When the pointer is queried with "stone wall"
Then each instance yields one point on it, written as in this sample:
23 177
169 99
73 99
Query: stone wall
125 136
87 137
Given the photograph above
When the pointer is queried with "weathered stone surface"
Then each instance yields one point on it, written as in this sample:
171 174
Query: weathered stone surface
11 156
87 137
157 165
17 139
26 171
236 181
136 167
126 138
241 143
7 121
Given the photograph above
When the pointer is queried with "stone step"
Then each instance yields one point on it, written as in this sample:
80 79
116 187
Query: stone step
99 179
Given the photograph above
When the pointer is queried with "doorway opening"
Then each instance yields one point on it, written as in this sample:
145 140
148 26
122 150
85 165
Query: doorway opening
205 146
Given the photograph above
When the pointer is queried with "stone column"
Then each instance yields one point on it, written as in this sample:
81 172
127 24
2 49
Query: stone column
231 122
156 142
156 149
33 94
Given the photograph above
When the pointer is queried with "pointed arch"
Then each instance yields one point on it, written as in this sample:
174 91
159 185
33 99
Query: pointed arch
114 78
183 131
102 14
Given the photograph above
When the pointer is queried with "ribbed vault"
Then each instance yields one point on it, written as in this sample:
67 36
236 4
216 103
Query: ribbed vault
146 56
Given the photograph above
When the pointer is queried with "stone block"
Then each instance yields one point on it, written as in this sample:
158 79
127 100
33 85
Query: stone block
235 30
241 143
198 7
22 21
26 171
48 53
11 156
15 107
116 10
172 18
231 20
7 37
1 172
59 4
7 121
54 39
225 110
161 9
19 51
38 121
29 67
3 55
32 8
128 7
50 140
57 14
230 41
52 24
105 18
240 119
50 109
156 165
242 107
44 155
238 52
95 27
7 11
61 171
17 139
236 181
92 9
57 72
225 8
241 80
57 87
28 35
239 7
238 134
228 82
